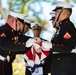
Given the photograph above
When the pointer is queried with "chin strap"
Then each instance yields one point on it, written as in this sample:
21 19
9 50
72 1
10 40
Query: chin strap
16 24
58 17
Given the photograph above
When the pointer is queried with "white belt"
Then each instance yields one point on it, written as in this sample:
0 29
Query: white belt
4 58
73 51
56 52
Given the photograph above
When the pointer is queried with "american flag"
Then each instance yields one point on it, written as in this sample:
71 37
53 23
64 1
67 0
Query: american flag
37 54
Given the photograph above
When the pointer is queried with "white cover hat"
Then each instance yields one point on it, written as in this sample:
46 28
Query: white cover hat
36 25
62 4
17 15
53 15
28 20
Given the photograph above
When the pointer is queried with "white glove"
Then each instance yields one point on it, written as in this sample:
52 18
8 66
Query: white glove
30 63
46 45
37 47
38 39
30 42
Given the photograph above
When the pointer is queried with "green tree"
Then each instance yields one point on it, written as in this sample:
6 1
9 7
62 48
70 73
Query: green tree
26 6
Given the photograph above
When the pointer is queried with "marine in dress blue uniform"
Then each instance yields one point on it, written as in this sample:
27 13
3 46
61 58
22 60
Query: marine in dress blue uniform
36 28
47 64
23 38
9 46
63 61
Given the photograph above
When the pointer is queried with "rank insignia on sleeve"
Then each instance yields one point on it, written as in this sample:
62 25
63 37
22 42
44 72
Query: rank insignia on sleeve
67 36
3 35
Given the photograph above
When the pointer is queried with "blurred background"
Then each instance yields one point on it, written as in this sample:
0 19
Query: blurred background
39 11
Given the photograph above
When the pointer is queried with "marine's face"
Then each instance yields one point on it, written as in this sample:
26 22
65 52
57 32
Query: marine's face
19 25
36 32
59 13
12 22
26 28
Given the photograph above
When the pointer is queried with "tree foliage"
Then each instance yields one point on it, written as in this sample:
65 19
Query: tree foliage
26 7
74 1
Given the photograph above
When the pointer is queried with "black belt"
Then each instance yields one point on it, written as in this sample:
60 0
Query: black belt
61 49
